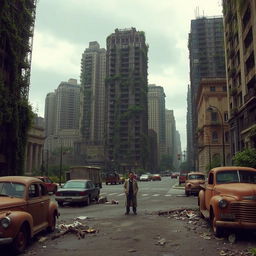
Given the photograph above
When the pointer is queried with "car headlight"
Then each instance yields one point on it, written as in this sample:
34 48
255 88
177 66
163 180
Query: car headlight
223 203
5 222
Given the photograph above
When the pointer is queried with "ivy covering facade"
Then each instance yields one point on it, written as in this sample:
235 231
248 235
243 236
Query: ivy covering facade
16 29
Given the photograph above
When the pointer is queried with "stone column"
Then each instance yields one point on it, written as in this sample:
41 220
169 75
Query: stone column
36 147
30 157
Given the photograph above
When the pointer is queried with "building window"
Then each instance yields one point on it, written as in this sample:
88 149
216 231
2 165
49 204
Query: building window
212 88
226 137
226 116
224 88
214 116
214 136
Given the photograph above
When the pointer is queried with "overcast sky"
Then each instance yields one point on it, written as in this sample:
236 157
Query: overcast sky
64 29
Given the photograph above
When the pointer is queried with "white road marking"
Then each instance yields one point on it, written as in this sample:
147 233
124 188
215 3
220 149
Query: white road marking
145 195
168 195
121 194
156 195
112 194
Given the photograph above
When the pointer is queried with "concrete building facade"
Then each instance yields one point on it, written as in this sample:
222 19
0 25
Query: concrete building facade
126 100
240 49
213 129
170 132
156 116
206 56
93 74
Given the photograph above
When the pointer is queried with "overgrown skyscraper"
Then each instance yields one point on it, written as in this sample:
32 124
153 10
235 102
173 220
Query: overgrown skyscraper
126 100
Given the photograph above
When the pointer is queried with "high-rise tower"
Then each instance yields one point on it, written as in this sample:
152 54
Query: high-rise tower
126 100
207 59
156 116
93 74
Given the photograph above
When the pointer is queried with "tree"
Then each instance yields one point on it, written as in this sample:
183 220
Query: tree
245 158
166 163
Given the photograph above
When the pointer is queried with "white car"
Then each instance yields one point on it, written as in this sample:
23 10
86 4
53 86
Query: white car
144 177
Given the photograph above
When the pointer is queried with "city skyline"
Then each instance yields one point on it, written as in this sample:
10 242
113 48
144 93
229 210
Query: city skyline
57 48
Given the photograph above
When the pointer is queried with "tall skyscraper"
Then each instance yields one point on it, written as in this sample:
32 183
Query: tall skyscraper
67 106
156 116
93 74
50 113
170 132
206 54
240 47
126 100
189 130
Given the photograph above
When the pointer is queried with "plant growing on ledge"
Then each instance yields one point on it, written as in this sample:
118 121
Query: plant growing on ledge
245 158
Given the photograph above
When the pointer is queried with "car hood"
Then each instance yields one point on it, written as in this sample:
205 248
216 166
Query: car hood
10 203
196 181
239 190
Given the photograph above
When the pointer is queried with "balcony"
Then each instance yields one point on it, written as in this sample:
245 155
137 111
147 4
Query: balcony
251 93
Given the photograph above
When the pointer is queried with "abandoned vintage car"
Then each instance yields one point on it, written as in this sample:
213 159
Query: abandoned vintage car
193 183
229 198
25 210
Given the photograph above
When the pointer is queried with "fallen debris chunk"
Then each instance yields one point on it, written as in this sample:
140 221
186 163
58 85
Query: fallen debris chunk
82 218
42 239
132 250
161 242
232 238
102 200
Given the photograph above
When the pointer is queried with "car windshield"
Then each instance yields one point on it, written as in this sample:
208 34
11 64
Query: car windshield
75 184
196 177
12 189
239 176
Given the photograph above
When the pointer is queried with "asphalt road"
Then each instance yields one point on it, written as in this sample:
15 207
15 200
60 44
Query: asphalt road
144 234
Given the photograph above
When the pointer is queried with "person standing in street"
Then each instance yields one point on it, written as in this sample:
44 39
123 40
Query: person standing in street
131 190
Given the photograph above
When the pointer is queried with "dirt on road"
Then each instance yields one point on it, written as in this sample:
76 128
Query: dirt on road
174 233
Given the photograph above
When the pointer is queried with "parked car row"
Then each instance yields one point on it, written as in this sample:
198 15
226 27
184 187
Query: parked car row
150 177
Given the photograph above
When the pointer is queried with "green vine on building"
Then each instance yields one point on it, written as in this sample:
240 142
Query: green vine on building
16 23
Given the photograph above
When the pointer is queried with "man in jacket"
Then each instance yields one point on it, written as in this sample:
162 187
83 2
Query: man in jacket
131 190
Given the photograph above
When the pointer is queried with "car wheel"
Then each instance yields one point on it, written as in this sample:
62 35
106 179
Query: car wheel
60 204
97 198
20 241
87 202
217 231
52 227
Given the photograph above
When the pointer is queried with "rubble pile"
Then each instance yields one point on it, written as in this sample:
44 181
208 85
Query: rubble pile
77 228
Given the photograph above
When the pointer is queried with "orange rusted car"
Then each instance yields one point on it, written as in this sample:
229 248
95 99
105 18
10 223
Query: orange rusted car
229 198
193 183
25 210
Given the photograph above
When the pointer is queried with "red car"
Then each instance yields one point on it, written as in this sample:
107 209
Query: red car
156 177
182 178
49 184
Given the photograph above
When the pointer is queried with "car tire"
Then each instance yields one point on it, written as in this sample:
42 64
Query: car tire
217 231
88 201
20 241
52 227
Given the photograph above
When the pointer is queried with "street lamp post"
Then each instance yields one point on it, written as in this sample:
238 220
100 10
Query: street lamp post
60 169
210 109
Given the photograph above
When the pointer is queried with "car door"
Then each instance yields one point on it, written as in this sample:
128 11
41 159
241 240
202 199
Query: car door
209 190
44 204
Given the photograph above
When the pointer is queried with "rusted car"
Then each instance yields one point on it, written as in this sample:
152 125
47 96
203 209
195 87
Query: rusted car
50 185
25 210
229 198
193 183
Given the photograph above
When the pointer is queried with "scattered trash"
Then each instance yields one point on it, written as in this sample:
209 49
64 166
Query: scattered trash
206 236
223 253
132 250
82 218
102 200
42 239
161 242
232 238
114 202
44 246
76 228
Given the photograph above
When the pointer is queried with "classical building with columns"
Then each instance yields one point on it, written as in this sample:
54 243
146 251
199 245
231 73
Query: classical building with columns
34 149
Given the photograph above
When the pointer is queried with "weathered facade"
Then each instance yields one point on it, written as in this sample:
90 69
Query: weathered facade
240 49
126 100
